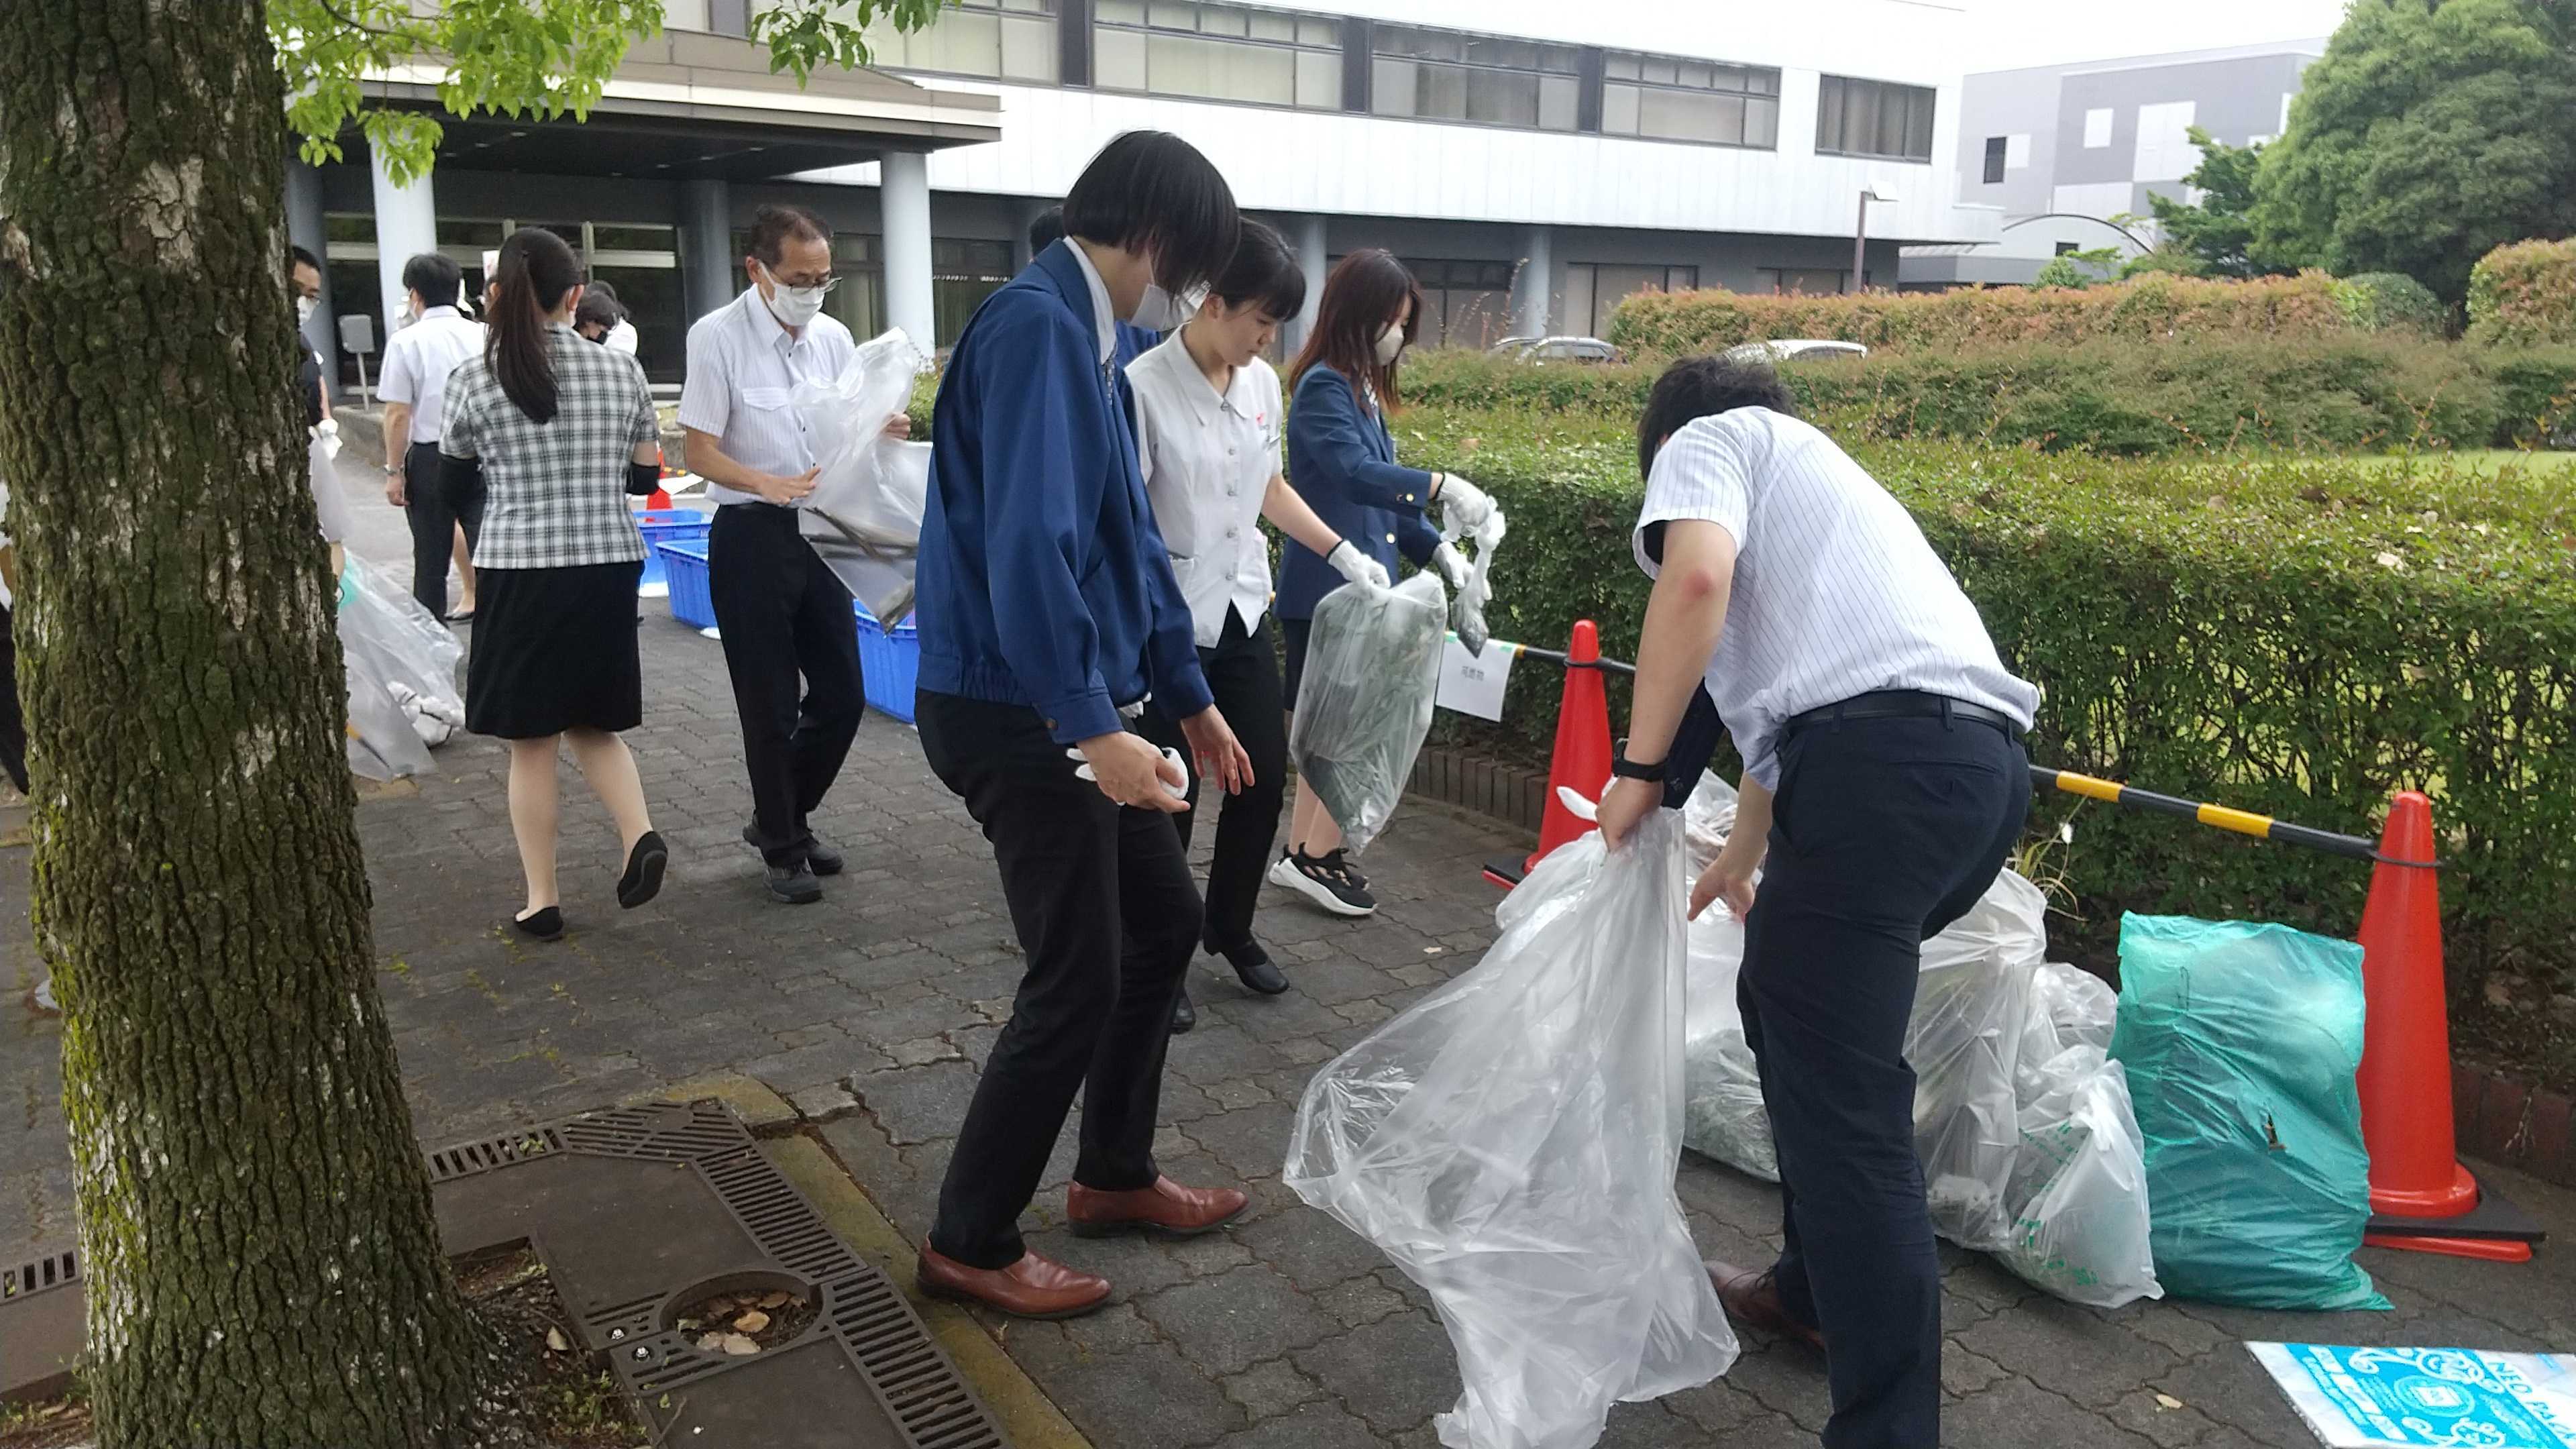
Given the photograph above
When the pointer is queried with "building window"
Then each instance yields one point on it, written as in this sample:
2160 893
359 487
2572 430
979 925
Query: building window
1594 290
1801 281
963 272
2066 248
858 303
1005 39
1690 100
1464 304
1874 118
1446 76
1220 52
1996 146
2097 128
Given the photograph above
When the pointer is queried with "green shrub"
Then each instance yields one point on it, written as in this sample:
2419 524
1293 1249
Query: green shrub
2392 302
2148 309
2295 636
2524 294
2109 396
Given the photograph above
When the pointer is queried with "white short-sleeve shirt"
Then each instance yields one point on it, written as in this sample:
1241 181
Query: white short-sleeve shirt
743 371
1207 459
418 360
1835 593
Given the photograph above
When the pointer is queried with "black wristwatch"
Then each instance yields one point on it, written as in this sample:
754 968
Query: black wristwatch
1624 768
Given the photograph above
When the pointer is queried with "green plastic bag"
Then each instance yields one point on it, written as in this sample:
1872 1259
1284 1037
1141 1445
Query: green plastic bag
2241 1042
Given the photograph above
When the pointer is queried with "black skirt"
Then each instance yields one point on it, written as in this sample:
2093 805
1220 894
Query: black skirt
554 650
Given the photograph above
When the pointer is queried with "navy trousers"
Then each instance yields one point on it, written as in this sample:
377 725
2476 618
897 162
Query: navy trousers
1883 832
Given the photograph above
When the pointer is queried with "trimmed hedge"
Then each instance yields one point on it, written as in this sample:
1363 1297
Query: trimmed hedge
2348 392
2299 637
2149 309
2524 294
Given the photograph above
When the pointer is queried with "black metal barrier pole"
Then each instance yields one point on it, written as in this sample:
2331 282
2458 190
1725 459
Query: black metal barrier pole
2242 822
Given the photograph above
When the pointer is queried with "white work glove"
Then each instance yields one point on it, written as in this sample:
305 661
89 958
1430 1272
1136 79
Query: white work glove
1452 565
1356 566
1465 503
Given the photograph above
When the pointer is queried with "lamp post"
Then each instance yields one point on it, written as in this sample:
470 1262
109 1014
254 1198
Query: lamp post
1860 235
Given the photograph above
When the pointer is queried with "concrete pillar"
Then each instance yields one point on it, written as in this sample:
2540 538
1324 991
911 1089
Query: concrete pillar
1030 211
406 226
1311 261
305 228
710 273
1532 284
903 201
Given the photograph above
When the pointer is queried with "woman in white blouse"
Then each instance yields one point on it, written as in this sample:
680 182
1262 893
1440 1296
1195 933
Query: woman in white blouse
1208 429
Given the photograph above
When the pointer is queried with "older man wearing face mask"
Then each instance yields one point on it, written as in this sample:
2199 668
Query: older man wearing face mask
780 610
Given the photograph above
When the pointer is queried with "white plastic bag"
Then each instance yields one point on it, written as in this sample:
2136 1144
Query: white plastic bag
1510 1142
1722 1114
401 664
864 516
2081 1230
330 505
1364 704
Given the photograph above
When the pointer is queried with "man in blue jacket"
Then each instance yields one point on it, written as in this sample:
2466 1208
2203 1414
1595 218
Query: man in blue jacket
1049 613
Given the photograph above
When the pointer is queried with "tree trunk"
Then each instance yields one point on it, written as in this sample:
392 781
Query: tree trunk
263 1268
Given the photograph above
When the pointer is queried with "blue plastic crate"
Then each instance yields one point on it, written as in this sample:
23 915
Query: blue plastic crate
684 564
889 662
666 525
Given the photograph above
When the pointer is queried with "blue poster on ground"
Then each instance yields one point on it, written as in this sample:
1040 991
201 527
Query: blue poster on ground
2398 1398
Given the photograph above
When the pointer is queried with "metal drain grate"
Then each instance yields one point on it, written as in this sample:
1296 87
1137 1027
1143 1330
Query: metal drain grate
53 1270
863 1315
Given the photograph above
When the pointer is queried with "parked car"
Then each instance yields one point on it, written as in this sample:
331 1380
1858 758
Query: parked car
1794 349
1556 349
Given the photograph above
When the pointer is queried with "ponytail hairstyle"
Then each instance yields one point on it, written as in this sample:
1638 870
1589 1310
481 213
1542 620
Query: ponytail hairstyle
537 268
1361 297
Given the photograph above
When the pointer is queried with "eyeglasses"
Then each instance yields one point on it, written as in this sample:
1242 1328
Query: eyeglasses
827 282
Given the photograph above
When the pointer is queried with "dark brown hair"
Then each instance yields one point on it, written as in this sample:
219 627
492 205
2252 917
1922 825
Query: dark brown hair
1361 296
1152 193
1699 387
535 271
773 227
1263 273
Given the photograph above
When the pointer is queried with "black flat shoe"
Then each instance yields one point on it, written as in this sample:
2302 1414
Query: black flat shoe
794 884
1184 1015
544 925
1253 967
643 878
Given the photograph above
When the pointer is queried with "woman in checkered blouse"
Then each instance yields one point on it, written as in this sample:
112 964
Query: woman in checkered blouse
560 432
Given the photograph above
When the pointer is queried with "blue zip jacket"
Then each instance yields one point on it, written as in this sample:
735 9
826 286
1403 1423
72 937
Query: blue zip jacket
1341 460
1043 580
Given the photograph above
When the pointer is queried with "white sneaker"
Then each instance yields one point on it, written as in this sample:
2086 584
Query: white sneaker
1325 883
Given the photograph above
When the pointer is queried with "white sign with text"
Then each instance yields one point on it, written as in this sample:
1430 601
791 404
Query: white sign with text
1473 683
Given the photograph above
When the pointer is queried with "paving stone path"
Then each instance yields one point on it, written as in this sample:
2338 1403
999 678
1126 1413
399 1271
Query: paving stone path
871 1012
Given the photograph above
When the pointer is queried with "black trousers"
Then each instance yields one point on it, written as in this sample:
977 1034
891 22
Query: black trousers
13 725
1883 832
1243 673
782 613
434 507
1107 918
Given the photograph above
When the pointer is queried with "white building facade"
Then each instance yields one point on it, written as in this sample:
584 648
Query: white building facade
1534 163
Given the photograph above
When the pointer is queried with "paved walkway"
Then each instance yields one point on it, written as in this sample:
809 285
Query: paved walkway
872 1010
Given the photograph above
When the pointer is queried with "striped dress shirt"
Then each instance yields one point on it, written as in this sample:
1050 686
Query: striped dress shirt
1835 593
743 371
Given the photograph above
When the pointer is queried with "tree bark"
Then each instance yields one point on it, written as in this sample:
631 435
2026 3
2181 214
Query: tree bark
263 1267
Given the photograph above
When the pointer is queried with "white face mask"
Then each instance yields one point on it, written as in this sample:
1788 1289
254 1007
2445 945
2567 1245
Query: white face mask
1160 311
1390 343
304 309
794 306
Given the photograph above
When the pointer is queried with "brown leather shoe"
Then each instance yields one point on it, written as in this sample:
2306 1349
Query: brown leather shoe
1753 1299
1033 1287
1166 1207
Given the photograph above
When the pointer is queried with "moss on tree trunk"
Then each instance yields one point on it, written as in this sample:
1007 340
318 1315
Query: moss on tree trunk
263 1268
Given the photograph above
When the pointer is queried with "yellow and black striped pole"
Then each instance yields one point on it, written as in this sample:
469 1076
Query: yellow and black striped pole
2242 822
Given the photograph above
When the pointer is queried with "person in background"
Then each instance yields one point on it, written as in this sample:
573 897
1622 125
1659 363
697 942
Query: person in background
1884 784
597 317
1133 341
13 725
1341 461
779 608
1048 613
560 433
304 280
1208 428
620 336
418 361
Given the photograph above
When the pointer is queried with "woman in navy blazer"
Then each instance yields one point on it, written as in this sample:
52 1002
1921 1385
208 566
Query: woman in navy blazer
1341 460
1049 613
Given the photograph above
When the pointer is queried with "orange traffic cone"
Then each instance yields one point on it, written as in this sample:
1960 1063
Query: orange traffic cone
2421 1198
661 499
1581 761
